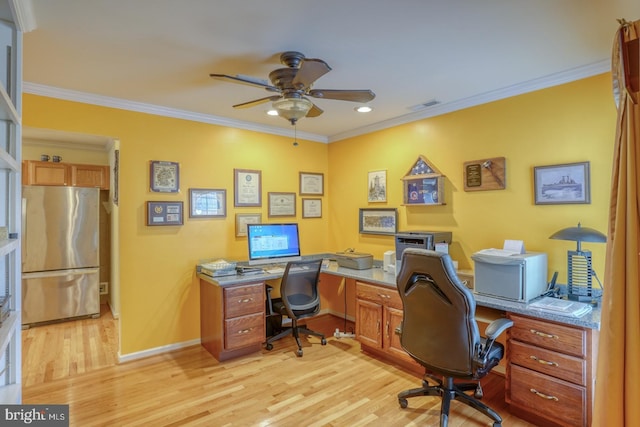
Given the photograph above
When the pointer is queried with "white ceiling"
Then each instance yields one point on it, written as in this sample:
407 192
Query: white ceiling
156 55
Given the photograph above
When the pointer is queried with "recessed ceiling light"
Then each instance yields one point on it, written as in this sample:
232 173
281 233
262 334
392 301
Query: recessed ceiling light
363 109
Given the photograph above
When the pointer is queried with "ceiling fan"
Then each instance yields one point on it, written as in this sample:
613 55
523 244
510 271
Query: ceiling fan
292 86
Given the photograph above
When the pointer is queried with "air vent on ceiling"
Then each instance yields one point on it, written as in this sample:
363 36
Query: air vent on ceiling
424 105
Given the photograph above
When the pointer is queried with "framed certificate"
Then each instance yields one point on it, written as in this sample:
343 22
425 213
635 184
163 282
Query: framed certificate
311 208
282 204
207 203
164 177
243 219
248 187
311 184
164 213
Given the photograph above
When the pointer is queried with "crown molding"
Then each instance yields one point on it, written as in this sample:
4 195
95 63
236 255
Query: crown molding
123 104
25 19
555 79
436 110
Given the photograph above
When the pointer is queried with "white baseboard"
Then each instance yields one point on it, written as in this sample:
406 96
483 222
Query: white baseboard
172 347
155 351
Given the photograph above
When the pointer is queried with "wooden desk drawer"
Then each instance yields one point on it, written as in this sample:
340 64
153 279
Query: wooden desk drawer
550 397
549 362
244 331
553 336
245 299
380 294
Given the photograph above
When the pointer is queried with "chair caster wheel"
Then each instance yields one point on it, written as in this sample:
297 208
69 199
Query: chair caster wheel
323 341
403 403
299 353
269 346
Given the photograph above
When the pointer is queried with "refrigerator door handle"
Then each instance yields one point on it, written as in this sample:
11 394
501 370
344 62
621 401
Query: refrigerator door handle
24 229
58 273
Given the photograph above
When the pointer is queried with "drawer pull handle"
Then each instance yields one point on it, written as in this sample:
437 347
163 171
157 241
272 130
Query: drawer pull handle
544 362
542 395
542 334
244 331
245 300
383 296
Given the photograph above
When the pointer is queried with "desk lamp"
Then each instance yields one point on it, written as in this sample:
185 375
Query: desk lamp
579 285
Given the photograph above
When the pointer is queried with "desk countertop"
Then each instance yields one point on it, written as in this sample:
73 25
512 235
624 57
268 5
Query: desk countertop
378 276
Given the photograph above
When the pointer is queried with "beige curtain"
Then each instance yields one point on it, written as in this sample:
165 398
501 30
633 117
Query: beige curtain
617 391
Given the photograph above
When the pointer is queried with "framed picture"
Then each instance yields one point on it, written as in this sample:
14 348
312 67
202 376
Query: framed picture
311 208
562 184
248 187
378 221
207 203
311 184
243 219
164 177
377 188
164 213
282 204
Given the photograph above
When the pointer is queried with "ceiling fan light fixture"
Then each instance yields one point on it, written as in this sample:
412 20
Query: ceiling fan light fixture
363 109
292 109
272 112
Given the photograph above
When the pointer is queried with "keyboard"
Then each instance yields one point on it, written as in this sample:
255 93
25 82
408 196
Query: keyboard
280 270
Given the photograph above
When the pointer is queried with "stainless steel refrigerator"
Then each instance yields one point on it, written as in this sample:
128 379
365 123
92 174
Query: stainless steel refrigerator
60 260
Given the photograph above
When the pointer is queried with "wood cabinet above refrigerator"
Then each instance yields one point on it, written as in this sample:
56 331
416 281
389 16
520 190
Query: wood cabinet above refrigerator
71 174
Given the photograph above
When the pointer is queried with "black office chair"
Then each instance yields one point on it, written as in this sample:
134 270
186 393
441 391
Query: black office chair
299 299
440 332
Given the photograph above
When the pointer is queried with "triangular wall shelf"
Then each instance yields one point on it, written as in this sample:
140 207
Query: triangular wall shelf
423 184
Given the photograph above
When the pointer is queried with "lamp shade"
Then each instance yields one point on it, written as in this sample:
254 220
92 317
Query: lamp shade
579 234
293 108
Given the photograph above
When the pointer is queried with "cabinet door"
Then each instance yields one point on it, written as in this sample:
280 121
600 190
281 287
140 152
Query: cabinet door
393 319
44 173
90 176
369 323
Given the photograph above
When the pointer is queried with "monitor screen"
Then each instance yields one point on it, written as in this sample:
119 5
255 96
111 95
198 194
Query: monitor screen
273 243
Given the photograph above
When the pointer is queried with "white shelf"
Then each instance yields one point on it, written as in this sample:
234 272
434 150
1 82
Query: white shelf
7 109
8 162
8 245
7 330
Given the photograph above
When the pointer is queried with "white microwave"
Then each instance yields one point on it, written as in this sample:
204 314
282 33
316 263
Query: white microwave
519 277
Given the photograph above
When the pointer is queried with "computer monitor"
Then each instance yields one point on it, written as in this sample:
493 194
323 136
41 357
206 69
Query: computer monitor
273 243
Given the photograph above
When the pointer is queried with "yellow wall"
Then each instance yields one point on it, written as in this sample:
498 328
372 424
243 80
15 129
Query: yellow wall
159 292
570 123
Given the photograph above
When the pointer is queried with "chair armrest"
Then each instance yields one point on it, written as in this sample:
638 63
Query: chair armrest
492 332
497 327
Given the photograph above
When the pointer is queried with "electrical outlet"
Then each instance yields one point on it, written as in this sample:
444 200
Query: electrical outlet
104 288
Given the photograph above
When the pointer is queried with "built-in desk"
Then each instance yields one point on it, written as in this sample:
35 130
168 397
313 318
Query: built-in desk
549 365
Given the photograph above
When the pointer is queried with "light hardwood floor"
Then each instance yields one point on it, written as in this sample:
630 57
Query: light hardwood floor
332 385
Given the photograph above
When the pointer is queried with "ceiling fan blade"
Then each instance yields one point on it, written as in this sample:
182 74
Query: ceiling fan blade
247 80
315 111
343 95
310 71
257 101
